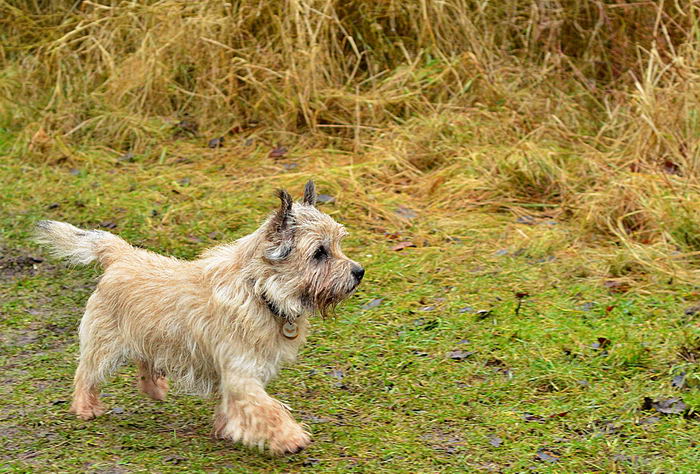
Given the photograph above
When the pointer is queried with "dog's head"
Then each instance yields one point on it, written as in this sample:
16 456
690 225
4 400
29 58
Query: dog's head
305 267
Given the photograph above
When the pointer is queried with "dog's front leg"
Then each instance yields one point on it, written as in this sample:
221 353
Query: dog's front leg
249 415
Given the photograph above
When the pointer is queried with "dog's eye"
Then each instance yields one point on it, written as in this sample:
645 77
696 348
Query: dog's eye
320 253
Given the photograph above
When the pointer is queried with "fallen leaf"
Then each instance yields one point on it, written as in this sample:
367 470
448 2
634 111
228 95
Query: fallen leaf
405 212
325 198
444 442
527 220
402 245
216 142
495 441
601 343
547 455
668 406
186 127
278 152
459 355
678 381
616 286
650 420
127 158
310 462
173 459
670 167
336 374
559 415
373 303
108 225
530 418
425 324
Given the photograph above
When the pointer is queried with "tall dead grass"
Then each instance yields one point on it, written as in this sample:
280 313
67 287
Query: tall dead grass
588 107
100 70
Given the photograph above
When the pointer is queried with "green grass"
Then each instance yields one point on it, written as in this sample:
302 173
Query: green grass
375 386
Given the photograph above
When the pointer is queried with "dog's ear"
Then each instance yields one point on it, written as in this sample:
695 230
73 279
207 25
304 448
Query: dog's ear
283 216
310 193
280 230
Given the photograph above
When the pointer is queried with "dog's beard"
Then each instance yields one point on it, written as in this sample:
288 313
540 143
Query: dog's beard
326 294
321 296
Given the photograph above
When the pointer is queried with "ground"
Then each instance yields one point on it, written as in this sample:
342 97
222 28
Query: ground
475 343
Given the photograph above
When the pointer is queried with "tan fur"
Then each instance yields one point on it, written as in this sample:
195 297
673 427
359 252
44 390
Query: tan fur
213 324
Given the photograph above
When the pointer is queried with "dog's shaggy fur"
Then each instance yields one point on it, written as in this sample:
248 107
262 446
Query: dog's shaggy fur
222 324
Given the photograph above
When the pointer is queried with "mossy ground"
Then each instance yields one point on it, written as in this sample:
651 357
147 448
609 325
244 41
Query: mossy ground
565 375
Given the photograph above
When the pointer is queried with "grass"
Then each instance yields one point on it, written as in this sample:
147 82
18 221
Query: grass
537 163
564 376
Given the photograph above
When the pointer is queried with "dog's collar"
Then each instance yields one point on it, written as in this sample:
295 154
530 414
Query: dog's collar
276 311
289 328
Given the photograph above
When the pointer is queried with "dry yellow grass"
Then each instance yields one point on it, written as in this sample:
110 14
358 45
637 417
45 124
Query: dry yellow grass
586 111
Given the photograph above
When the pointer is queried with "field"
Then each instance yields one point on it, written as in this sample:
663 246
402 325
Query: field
520 183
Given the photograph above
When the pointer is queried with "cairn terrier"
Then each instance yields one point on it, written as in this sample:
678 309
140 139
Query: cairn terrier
222 324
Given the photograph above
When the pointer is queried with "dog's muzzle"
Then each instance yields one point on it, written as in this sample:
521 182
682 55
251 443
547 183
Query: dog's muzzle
358 273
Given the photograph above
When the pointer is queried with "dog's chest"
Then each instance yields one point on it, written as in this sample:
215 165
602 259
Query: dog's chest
289 339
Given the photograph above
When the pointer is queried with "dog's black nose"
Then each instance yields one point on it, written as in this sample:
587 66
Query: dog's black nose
358 272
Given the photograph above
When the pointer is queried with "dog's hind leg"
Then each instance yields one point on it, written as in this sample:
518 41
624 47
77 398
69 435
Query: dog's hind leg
151 382
100 355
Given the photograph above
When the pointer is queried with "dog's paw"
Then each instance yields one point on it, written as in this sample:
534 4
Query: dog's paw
87 412
156 389
290 441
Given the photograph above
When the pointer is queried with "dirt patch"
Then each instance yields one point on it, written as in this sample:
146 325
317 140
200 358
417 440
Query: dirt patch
18 263
24 338
443 441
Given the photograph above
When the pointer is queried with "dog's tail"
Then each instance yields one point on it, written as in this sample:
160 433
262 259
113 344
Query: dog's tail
81 246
